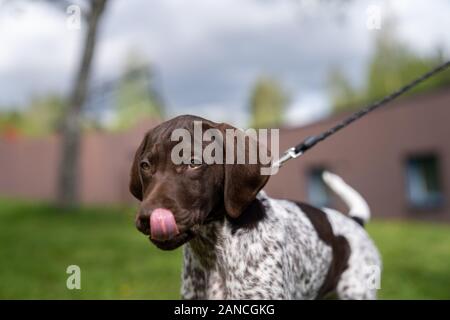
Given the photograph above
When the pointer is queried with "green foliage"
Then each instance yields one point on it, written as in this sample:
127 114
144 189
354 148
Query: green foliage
41 117
267 103
10 119
341 90
392 65
136 98
38 242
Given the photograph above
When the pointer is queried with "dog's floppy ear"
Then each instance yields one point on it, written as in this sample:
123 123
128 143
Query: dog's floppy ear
242 182
135 179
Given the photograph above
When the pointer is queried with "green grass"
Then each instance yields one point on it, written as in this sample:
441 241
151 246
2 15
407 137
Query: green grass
416 259
38 242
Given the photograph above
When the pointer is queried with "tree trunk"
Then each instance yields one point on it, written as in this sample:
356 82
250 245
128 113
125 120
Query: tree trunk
68 195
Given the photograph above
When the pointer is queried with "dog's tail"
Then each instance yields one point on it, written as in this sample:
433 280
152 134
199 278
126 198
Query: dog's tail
359 209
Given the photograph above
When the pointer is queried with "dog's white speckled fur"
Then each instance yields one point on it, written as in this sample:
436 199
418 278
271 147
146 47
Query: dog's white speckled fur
282 257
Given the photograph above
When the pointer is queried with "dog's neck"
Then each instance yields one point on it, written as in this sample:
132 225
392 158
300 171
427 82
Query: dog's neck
205 244
249 219
208 243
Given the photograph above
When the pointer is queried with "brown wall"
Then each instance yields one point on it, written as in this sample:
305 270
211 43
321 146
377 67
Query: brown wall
28 167
370 154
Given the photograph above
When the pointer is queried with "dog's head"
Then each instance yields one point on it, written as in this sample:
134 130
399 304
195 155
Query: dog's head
176 199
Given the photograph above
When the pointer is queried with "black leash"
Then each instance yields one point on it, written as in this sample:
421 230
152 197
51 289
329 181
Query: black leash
311 141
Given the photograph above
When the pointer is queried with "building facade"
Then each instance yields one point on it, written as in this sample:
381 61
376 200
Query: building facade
398 158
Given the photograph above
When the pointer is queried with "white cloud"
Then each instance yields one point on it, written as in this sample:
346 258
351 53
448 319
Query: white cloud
423 25
209 53
307 109
38 52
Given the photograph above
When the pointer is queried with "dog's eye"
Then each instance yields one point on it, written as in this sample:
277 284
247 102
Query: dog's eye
145 165
195 163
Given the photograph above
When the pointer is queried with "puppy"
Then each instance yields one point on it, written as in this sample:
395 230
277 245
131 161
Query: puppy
238 242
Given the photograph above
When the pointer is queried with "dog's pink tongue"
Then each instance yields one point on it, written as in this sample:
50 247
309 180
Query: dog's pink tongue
163 225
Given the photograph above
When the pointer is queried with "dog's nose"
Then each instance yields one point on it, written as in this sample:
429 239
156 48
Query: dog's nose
143 224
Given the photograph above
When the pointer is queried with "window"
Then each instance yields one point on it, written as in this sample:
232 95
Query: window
318 192
423 183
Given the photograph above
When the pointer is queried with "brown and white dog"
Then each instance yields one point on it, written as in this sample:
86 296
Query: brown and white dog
238 242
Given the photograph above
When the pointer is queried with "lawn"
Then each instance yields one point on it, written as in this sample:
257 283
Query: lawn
38 242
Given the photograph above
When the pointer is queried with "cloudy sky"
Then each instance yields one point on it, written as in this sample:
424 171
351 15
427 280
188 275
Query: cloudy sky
208 54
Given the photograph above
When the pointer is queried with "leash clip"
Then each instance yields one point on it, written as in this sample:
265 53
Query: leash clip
287 155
